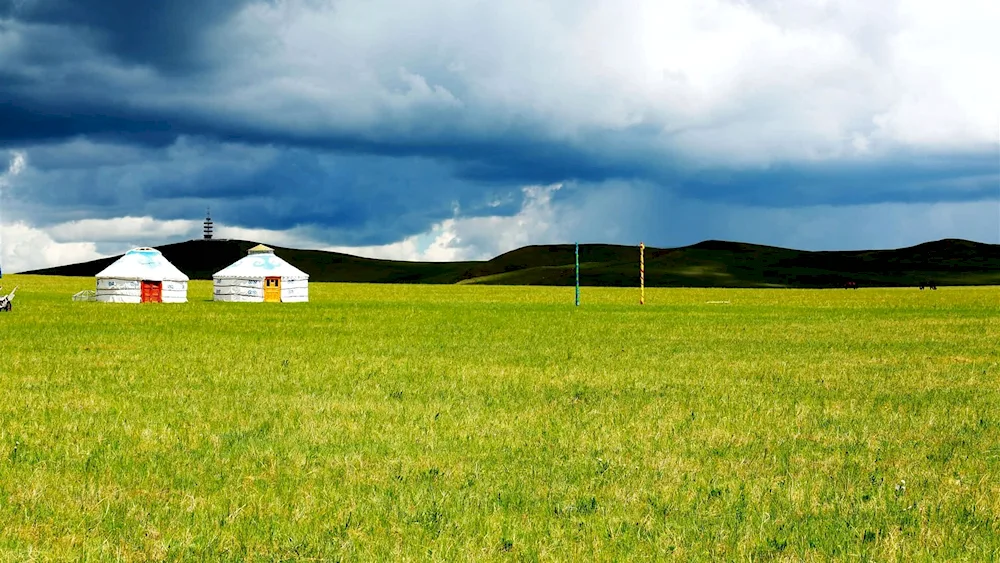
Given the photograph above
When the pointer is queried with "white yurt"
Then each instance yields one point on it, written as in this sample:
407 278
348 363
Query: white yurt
261 276
142 275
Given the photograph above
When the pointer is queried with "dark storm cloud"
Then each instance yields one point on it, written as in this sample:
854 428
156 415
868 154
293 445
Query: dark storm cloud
522 153
526 156
164 34
358 199
900 178
25 123
140 79
366 193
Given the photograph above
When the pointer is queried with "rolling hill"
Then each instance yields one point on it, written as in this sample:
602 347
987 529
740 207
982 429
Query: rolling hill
706 264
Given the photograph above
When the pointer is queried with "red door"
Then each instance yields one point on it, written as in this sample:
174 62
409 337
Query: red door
152 292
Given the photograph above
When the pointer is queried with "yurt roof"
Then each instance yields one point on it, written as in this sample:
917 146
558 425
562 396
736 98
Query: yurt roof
143 264
261 262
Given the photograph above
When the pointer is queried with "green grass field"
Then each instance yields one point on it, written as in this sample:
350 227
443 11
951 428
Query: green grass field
385 422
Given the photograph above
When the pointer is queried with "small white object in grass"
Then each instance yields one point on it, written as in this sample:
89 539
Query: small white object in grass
717 302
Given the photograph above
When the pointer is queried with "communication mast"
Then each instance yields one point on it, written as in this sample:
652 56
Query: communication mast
208 224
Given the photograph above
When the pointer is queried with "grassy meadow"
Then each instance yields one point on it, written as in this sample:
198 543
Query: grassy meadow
494 423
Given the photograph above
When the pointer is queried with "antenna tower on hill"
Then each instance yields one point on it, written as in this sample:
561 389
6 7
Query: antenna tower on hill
208 224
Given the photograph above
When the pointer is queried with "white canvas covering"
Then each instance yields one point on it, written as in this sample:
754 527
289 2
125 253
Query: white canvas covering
243 280
121 282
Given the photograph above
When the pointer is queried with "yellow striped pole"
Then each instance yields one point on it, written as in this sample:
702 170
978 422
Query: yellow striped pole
642 274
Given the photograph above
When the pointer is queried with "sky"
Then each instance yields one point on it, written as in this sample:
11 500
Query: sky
460 129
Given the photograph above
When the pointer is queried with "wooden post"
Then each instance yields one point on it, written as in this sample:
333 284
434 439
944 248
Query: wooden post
642 274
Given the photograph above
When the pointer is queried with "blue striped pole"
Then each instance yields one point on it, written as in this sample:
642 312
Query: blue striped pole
577 274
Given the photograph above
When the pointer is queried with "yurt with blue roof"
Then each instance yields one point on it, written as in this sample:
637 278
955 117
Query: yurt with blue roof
142 275
261 277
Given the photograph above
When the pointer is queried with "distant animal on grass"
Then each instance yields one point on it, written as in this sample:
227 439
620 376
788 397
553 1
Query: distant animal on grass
851 285
930 284
7 301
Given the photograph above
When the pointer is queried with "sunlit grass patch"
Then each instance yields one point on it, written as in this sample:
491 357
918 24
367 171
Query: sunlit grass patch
490 423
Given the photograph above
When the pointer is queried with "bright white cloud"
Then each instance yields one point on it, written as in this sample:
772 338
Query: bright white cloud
721 80
476 238
291 238
124 229
28 248
14 168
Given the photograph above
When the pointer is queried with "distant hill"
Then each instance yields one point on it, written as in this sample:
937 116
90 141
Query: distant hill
706 264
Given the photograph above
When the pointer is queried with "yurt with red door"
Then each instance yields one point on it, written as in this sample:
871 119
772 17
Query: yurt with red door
142 275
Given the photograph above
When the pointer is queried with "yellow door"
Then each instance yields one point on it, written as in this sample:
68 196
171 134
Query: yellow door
272 290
